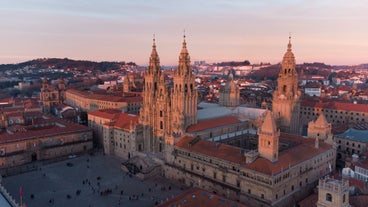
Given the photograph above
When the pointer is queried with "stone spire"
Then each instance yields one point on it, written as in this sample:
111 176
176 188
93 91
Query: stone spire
184 67
288 61
154 63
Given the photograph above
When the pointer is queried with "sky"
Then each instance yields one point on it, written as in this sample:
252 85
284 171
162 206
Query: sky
330 31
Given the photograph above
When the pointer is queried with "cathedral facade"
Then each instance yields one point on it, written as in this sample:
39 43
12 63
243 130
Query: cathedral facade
167 111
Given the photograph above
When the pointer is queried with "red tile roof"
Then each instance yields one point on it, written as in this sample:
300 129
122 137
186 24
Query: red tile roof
336 106
106 113
289 157
221 151
103 96
43 132
124 121
196 197
310 201
213 123
303 150
360 200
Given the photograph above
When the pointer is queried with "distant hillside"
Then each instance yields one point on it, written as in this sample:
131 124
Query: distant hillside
361 66
58 63
272 71
234 63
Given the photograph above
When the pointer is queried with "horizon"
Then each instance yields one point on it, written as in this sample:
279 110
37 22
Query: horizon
174 65
330 32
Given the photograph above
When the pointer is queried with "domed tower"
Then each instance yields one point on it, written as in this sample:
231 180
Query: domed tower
184 95
286 98
230 93
155 107
268 138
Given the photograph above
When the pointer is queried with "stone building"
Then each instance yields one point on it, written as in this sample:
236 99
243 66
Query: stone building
286 98
320 129
123 137
352 141
335 112
263 177
333 193
167 111
96 121
230 93
51 96
89 102
45 137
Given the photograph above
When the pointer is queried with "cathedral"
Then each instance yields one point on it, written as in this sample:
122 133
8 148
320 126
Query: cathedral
175 140
167 111
286 98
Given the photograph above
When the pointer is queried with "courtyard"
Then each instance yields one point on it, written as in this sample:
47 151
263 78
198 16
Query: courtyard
87 181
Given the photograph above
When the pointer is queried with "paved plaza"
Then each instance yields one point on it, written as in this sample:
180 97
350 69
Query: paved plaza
88 181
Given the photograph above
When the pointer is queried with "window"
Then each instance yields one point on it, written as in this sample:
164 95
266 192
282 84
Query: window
161 125
343 198
328 197
249 191
160 113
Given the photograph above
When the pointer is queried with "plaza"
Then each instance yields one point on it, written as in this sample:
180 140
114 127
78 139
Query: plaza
93 180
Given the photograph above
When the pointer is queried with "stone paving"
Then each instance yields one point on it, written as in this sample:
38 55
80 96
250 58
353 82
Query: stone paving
88 181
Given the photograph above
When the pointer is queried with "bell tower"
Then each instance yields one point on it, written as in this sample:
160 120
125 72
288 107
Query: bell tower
155 105
184 95
286 98
333 193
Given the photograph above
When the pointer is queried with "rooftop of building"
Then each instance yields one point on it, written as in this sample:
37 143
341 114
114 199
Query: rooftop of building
198 197
124 121
104 97
106 113
46 127
336 106
303 149
211 110
354 134
213 123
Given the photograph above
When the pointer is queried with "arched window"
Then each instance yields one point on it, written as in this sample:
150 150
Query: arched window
328 197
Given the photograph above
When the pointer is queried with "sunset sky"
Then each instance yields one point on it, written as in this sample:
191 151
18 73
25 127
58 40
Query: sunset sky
330 31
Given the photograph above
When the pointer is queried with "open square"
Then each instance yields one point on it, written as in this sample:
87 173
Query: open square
87 181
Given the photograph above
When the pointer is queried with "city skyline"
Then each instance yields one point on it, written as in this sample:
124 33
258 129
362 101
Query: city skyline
322 31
